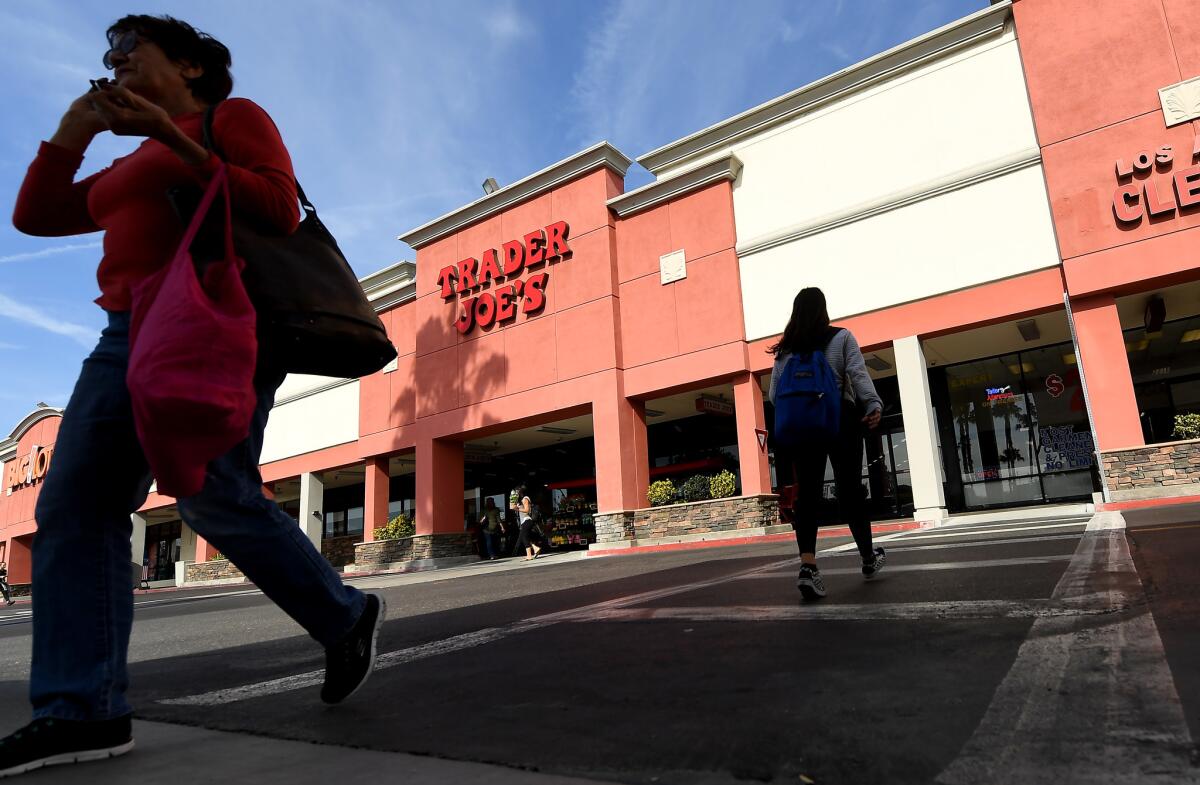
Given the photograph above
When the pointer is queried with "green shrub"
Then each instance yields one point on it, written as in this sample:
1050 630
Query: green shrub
217 556
1187 426
722 485
695 489
397 528
660 493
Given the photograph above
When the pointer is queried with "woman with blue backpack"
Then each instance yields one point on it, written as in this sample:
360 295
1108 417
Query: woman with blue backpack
823 397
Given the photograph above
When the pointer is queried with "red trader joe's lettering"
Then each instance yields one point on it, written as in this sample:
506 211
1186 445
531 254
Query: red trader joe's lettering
501 306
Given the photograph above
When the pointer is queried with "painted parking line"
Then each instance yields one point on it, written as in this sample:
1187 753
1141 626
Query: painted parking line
1115 674
458 642
940 546
492 634
1020 561
951 610
950 532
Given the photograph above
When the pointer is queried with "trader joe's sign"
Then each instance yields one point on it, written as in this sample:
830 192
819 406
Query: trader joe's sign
491 289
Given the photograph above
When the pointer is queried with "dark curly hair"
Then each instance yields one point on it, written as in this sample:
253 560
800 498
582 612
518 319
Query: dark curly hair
183 43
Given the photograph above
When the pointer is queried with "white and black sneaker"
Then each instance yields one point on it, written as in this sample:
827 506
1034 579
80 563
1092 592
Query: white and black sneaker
349 663
872 568
809 582
52 742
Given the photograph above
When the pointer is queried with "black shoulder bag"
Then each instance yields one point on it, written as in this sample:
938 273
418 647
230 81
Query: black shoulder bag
313 316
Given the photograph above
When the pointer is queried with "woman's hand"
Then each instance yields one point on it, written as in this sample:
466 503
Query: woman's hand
128 114
79 125
872 419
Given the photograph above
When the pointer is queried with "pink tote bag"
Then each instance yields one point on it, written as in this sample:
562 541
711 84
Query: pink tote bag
191 361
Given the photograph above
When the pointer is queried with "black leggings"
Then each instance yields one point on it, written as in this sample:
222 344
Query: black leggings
525 536
808 466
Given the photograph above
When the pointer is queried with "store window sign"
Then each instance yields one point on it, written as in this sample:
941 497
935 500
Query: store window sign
999 394
27 469
1064 448
717 406
1055 386
468 279
1147 186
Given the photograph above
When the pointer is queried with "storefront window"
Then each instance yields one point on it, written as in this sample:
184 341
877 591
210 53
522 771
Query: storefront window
1019 430
335 523
163 544
1165 367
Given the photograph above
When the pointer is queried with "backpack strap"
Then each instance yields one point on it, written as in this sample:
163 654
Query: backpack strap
846 386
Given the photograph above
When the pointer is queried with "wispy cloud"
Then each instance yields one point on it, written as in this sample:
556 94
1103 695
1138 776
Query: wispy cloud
4 346
54 250
85 336
506 25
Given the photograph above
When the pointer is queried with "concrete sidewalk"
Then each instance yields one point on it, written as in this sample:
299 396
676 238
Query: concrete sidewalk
194 756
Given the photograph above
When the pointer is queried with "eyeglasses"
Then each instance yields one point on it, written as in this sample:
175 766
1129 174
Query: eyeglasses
124 44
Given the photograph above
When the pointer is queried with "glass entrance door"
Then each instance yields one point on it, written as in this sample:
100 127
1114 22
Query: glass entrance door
163 542
1014 430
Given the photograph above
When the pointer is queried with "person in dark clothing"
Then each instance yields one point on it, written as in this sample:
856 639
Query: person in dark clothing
491 529
167 75
5 589
809 330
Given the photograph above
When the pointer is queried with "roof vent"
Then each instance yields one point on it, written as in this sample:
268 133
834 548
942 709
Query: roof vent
490 186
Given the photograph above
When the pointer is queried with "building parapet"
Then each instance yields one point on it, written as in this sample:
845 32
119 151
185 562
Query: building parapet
726 168
982 25
391 286
601 154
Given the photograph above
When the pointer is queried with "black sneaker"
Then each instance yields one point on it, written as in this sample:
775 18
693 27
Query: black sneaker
349 663
52 742
809 582
872 568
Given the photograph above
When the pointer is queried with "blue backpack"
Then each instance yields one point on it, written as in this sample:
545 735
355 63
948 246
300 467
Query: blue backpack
808 403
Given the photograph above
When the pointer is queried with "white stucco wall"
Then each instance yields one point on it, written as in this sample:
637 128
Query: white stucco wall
311 422
992 230
885 148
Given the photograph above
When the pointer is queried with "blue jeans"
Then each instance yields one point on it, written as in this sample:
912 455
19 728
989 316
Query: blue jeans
491 543
82 566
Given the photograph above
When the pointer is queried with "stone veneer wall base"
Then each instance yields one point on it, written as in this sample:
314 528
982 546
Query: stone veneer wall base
736 516
383 555
213 573
1155 471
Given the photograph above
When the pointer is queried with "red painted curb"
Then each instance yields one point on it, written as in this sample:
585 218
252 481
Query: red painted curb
833 531
1138 504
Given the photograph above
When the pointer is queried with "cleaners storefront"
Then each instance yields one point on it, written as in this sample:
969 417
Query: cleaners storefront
1016 255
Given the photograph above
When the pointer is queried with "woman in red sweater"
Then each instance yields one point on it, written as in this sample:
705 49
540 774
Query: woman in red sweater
166 74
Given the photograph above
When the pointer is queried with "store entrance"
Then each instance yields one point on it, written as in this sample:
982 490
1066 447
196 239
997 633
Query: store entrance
163 544
555 464
1014 430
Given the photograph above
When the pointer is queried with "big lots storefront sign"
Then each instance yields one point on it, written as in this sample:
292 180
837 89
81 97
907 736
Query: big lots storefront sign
500 271
27 469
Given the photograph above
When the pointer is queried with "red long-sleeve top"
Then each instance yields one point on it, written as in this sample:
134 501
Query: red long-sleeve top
128 199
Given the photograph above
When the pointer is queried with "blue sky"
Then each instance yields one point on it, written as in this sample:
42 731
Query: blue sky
395 112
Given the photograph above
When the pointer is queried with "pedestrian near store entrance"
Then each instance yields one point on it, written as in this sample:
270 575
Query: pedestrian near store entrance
492 528
5 589
808 351
525 536
166 75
